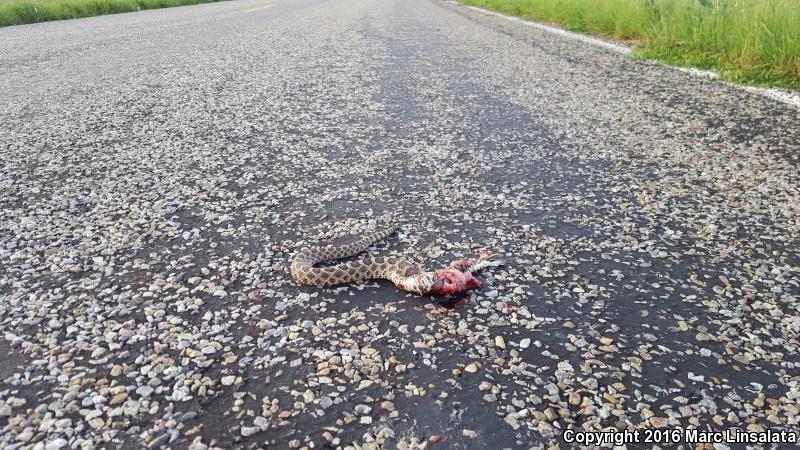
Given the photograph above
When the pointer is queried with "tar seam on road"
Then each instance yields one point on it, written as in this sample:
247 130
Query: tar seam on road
779 95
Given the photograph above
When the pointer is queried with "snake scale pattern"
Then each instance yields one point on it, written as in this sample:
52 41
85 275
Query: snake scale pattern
404 274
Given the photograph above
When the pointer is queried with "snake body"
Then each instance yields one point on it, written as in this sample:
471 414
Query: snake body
403 273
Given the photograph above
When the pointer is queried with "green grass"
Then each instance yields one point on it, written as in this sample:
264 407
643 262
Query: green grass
753 42
17 12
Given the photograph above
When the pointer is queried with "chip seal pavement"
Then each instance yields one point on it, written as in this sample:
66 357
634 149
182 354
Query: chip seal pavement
160 168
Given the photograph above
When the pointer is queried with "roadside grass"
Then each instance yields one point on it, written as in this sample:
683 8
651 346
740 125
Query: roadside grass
755 42
18 12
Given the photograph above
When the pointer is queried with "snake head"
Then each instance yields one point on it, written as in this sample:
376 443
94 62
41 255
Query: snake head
451 281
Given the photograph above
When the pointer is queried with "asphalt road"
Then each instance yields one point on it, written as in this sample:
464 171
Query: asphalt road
160 168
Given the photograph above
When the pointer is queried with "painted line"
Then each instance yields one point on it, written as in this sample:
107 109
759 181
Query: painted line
257 9
787 97
702 73
780 95
575 36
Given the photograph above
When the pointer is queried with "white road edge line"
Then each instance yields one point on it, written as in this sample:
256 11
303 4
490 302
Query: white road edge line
784 96
576 36
257 9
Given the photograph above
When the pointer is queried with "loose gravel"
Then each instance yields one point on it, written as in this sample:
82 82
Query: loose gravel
159 169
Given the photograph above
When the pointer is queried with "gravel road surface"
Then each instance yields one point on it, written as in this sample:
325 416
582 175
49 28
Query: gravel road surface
159 169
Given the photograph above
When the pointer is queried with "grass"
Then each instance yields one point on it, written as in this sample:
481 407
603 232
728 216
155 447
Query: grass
754 42
17 12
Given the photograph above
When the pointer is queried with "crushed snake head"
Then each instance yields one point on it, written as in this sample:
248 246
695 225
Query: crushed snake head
451 281
403 273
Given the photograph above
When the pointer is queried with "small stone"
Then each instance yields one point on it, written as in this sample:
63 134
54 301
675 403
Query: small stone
208 350
511 420
119 398
63 423
469 433
159 441
261 422
56 444
702 337
546 430
228 380
387 405
188 415
590 383
25 436
500 342
471 368
658 422
610 398
249 431
525 343
145 391
325 402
